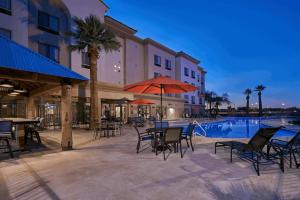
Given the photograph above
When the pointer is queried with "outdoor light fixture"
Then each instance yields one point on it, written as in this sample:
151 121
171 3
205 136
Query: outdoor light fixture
6 84
20 90
14 93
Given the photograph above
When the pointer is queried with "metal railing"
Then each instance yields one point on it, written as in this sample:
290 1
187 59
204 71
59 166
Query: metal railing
200 125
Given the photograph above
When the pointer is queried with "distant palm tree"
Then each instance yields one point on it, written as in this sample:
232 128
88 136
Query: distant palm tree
247 92
259 90
94 36
209 96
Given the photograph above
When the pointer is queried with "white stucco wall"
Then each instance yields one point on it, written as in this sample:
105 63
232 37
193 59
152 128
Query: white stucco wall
151 67
17 23
181 63
135 66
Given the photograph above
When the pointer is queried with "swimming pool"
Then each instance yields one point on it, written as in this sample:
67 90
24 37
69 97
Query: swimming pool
237 127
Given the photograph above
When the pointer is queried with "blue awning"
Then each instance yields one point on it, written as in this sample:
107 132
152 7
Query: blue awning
17 57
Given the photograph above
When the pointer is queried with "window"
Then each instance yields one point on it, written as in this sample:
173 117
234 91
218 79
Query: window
48 23
168 64
5 33
156 74
49 51
200 101
186 71
198 78
5 6
186 97
193 99
193 74
85 60
193 84
157 60
186 82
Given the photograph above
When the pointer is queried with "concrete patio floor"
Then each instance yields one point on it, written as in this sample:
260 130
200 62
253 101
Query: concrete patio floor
109 168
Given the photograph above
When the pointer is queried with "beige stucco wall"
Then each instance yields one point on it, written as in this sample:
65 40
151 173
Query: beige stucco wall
135 66
36 35
17 23
181 63
151 50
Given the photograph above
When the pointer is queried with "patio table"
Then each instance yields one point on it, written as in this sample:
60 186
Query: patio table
20 129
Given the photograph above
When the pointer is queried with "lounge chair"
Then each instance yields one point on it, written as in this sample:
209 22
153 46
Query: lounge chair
142 136
253 150
188 135
6 135
287 147
171 136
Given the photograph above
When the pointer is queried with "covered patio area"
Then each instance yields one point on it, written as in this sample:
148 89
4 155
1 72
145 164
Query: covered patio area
25 77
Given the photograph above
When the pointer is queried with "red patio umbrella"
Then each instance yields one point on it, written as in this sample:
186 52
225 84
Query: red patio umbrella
160 85
141 102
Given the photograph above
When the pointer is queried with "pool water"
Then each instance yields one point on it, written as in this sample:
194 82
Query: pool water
237 127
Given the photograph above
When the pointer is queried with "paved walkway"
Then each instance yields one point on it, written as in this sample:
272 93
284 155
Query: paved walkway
110 169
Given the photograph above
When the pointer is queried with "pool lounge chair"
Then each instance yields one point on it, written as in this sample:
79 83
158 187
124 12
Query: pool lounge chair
253 150
287 148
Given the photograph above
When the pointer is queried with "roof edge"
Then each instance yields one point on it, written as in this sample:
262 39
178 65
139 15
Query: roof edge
187 56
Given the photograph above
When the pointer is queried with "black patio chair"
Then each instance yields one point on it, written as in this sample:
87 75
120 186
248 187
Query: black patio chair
188 135
32 131
142 136
171 136
253 150
287 148
6 135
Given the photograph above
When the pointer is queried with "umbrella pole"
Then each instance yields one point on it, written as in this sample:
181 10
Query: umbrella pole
161 109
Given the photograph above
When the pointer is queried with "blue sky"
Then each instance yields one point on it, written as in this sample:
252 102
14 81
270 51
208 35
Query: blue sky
240 43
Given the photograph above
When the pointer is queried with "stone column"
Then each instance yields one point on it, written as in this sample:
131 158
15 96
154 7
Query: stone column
66 117
30 108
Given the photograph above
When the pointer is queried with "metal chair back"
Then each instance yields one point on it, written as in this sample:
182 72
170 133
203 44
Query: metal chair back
261 138
172 134
6 128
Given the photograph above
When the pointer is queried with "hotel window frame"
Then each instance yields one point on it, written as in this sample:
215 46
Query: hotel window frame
157 60
198 78
47 27
156 74
168 64
193 74
186 71
85 60
3 30
6 10
193 100
186 98
48 52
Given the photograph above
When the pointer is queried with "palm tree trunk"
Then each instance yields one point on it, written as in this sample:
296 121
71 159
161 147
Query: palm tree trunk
260 104
93 87
247 106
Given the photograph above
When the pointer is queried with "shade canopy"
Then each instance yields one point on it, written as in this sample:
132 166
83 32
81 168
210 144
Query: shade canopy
161 84
13 56
141 102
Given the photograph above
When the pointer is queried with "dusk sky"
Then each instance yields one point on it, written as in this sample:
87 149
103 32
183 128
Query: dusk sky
240 43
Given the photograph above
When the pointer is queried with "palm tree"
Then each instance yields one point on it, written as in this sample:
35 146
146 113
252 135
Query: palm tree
94 36
247 92
259 90
209 96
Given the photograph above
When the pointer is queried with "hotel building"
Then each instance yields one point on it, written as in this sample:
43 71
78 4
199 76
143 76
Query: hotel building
41 25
